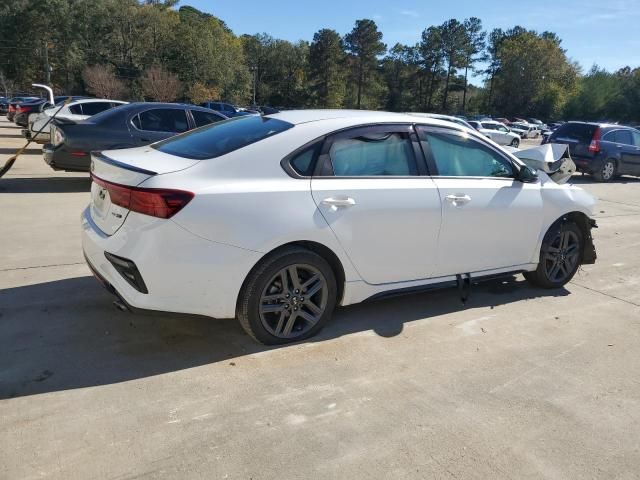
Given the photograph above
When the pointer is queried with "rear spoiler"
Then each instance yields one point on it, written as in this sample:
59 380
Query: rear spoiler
552 158
110 161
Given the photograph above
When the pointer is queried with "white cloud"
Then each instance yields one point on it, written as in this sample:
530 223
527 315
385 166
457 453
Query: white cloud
409 13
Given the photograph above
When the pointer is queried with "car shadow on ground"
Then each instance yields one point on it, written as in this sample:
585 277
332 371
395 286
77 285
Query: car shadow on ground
588 179
67 334
14 150
45 185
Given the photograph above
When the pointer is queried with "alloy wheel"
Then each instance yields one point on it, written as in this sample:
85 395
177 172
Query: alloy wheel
607 170
293 301
561 256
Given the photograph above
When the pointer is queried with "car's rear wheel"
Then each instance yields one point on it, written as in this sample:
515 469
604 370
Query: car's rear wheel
560 256
515 143
607 172
288 297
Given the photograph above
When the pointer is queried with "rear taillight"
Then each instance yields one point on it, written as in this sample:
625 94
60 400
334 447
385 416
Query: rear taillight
155 202
57 136
23 109
594 146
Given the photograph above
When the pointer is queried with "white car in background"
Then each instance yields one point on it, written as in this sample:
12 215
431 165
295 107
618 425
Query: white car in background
448 118
498 132
75 111
276 219
528 130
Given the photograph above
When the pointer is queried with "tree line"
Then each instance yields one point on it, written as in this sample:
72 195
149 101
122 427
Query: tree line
154 50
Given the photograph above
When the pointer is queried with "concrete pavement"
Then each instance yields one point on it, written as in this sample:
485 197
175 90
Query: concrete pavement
519 383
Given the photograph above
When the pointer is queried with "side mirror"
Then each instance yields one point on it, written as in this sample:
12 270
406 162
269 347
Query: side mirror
527 174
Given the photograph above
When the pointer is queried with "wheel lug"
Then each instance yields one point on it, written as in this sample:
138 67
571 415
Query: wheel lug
295 308
297 291
287 295
287 306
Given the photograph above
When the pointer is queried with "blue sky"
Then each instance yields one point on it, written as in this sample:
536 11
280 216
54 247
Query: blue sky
600 31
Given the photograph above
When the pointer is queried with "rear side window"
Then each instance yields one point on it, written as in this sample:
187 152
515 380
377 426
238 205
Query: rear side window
162 120
76 109
95 107
304 162
222 137
461 156
373 155
205 118
581 132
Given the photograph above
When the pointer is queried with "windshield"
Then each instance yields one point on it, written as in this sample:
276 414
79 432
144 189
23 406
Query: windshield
223 137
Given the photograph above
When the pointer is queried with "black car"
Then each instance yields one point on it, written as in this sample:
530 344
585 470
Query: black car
600 149
227 109
13 104
132 125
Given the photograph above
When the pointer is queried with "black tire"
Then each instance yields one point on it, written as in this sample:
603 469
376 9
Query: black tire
552 250
265 281
515 143
608 171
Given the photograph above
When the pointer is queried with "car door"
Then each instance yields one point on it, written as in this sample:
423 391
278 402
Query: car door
158 123
371 190
490 220
629 152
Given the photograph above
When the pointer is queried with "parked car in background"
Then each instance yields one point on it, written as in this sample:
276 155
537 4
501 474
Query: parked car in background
13 104
26 110
277 219
227 109
498 132
525 130
76 111
601 150
131 125
4 105
506 121
448 118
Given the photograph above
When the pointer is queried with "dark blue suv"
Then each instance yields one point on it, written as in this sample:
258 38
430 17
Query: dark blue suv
600 149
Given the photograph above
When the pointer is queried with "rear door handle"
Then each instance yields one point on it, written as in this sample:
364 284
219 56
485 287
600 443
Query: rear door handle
338 202
458 200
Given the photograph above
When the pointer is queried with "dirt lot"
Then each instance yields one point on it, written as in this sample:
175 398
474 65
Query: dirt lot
519 383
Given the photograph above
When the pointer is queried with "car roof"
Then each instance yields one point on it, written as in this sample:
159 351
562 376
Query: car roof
358 117
91 100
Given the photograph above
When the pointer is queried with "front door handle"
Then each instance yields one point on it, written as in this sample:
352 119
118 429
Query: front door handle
338 202
458 200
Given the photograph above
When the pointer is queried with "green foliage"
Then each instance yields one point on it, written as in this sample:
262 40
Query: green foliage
526 73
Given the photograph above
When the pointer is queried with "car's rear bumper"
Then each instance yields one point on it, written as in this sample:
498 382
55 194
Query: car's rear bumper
182 273
59 158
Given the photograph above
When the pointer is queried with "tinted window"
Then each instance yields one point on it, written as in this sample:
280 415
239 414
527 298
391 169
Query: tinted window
222 137
303 163
636 138
95 107
163 120
460 156
75 109
488 126
204 118
582 132
624 137
371 155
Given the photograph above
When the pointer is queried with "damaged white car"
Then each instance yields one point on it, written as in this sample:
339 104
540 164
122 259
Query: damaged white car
276 219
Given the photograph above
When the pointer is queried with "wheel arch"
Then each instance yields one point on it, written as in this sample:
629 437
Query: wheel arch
325 252
585 224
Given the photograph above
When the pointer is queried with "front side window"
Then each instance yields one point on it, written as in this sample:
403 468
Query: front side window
373 154
636 138
624 137
462 156
163 120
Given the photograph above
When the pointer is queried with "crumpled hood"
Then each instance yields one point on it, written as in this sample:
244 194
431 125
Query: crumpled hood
552 158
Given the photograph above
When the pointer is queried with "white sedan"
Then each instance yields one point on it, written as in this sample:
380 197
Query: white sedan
75 111
498 132
277 219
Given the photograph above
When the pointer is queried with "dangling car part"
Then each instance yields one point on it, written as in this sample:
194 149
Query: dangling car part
553 159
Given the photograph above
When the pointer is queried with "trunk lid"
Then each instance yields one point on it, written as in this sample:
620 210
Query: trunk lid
577 136
113 169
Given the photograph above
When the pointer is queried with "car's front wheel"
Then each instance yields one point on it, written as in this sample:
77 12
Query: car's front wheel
560 256
515 143
288 297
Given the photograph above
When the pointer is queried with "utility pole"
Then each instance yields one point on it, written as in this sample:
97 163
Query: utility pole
47 67
254 70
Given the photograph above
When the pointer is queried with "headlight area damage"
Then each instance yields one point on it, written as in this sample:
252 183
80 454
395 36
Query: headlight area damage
552 158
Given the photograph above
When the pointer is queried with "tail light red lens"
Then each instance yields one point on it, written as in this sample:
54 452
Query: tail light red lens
155 202
594 146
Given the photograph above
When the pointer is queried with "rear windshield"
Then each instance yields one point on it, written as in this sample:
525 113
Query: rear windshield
223 137
582 132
